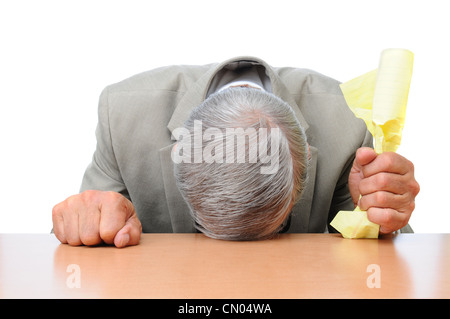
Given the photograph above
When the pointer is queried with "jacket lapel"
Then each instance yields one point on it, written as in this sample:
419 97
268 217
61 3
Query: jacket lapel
178 209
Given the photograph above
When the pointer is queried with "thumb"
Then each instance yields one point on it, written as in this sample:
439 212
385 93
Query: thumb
130 234
364 156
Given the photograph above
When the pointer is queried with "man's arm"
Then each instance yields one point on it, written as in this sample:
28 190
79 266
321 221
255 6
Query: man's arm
103 172
102 212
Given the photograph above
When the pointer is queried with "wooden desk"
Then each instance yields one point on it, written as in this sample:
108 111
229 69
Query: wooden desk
194 266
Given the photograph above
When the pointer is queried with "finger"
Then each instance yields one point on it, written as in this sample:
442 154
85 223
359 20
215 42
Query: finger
364 156
115 211
70 218
130 234
389 182
384 199
89 222
389 219
58 223
388 162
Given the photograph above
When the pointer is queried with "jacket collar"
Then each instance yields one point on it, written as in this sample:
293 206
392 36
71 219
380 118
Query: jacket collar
197 93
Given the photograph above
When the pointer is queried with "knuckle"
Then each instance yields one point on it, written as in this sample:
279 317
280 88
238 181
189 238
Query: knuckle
71 203
382 198
388 159
89 195
112 196
114 199
415 187
385 216
410 165
63 208
56 210
382 180
411 205
388 217
117 202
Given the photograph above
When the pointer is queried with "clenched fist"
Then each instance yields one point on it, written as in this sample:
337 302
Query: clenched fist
93 217
385 187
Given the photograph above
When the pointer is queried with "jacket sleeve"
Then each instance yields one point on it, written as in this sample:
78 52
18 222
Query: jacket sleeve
103 172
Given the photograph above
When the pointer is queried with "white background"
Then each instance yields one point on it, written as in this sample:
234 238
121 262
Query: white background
57 56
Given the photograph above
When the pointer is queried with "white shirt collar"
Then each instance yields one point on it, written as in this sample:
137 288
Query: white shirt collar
241 83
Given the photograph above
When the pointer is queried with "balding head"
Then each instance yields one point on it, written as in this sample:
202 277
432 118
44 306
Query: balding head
241 164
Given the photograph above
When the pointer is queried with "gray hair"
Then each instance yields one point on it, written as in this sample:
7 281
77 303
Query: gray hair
235 201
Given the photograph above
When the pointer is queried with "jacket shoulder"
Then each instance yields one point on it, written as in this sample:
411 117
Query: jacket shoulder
306 81
333 128
169 78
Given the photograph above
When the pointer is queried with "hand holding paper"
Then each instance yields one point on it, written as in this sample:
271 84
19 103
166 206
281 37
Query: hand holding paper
385 181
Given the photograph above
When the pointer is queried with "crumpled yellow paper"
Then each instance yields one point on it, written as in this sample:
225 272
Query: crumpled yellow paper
355 224
379 98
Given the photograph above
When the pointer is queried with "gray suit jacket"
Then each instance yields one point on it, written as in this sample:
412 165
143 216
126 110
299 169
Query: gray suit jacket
137 115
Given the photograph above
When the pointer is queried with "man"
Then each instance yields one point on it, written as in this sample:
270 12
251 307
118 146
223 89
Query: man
130 187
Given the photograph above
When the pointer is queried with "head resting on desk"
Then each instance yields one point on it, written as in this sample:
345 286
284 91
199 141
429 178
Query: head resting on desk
241 164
